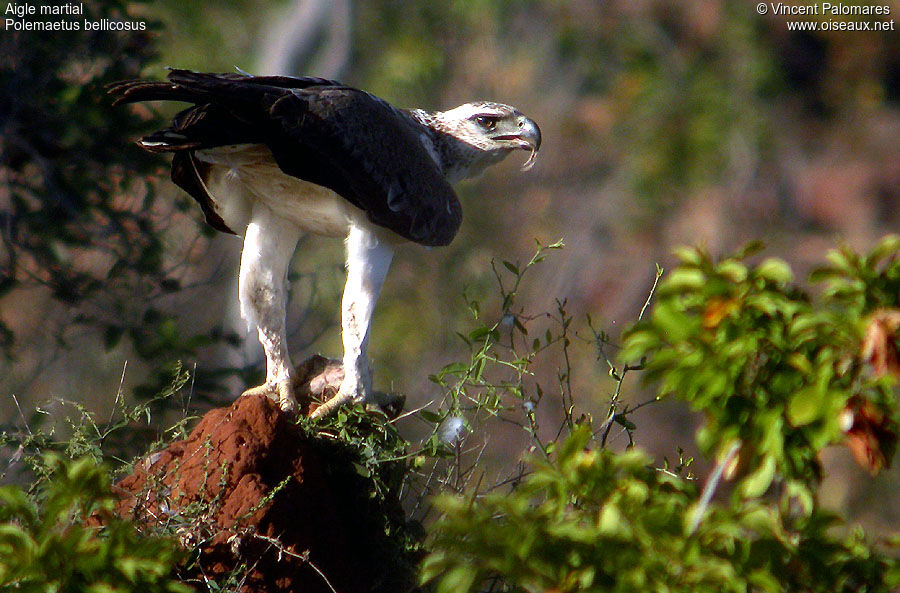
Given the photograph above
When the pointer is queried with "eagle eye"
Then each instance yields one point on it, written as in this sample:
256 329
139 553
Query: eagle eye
488 122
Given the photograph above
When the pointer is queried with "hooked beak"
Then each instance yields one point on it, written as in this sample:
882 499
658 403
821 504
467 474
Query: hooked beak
528 137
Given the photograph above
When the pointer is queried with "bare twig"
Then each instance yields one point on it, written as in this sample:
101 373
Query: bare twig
24 420
304 557
659 273
115 405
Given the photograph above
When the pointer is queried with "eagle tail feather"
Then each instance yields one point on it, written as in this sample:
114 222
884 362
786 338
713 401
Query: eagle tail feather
133 91
167 140
202 87
182 85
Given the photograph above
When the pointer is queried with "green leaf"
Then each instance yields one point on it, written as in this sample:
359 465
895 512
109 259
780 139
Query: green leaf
511 267
459 579
475 309
454 368
843 259
751 248
763 580
435 563
805 406
479 333
639 344
15 540
756 484
673 322
775 270
14 501
431 417
688 255
888 245
577 441
802 496
625 422
734 270
684 280
799 361
519 326
611 522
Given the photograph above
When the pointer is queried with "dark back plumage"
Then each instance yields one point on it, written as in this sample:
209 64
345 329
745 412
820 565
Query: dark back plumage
318 130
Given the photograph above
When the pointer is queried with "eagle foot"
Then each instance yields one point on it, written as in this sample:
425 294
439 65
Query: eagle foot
316 378
390 404
331 405
282 393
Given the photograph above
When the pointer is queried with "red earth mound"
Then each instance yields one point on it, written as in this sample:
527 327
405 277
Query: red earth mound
272 507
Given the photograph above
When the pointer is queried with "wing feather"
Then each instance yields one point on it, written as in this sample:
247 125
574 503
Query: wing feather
318 130
369 153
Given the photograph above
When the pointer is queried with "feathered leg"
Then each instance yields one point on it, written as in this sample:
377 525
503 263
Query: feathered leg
368 260
269 244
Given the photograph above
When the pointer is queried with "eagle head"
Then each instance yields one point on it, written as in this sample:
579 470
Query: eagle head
479 134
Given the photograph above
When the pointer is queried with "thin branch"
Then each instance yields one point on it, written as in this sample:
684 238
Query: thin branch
659 273
711 484
115 405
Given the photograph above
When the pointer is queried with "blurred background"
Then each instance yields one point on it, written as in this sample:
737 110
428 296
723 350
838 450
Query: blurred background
697 122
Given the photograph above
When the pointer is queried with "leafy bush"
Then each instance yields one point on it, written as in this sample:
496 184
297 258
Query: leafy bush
779 374
65 538
773 370
593 520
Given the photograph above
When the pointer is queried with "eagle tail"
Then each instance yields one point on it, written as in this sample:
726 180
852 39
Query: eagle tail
133 91
182 85
201 87
227 107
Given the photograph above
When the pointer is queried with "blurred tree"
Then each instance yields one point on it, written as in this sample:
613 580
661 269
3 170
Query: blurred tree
687 86
81 222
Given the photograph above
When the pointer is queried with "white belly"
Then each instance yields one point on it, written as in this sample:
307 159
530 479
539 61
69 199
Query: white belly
247 173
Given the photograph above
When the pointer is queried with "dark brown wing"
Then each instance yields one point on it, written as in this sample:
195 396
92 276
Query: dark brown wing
319 131
371 154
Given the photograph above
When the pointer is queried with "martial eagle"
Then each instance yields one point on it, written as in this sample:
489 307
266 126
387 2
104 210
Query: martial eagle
273 157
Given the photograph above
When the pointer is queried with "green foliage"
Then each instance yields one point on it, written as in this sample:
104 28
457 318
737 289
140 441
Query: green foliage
66 538
593 520
498 386
862 283
369 443
75 432
501 353
769 366
776 372
407 51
